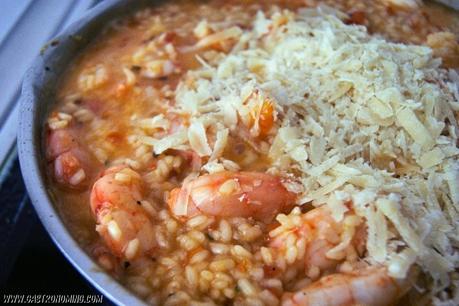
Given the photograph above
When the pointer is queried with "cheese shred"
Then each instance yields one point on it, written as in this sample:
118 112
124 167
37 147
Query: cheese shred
352 114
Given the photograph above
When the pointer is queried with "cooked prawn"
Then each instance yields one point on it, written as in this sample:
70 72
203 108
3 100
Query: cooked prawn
229 194
370 286
116 201
70 161
322 235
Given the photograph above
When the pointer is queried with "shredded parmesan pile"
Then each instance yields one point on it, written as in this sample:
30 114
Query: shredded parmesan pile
357 120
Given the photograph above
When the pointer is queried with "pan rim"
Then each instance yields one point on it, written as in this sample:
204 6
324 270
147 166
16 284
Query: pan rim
29 147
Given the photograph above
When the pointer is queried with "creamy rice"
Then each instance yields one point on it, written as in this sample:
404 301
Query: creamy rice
344 111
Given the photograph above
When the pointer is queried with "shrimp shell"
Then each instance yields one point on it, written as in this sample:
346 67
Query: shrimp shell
370 286
228 194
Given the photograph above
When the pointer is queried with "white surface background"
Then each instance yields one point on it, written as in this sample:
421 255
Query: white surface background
25 26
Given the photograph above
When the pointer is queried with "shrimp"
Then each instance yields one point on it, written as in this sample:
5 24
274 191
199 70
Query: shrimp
327 244
371 286
125 226
326 240
228 194
71 163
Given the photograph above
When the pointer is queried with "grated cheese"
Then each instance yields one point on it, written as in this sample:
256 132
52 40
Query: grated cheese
198 139
359 120
408 120
432 158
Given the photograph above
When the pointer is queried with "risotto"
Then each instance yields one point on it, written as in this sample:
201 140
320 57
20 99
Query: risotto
266 152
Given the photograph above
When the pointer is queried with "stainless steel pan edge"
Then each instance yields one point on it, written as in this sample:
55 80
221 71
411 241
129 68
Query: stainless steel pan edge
37 98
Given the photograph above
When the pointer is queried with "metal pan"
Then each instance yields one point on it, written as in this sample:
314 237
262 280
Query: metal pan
37 99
